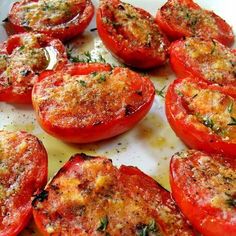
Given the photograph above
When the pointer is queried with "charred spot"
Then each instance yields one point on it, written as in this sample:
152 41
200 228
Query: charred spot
55 188
93 29
139 92
5 20
121 7
97 123
129 110
83 156
40 197
25 72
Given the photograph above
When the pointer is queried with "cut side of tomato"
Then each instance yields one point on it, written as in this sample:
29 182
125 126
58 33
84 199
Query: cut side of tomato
131 34
204 187
56 18
23 172
183 18
89 196
22 58
202 115
84 103
207 59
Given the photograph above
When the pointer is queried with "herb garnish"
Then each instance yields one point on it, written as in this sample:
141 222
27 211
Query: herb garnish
161 92
230 107
103 224
145 229
82 83
233 121
208 122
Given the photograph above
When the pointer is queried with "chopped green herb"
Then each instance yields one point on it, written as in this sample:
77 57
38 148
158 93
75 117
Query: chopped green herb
103 224
152 226
102 78
179 92
130 16
82 83
233 121
230 107
94 74
160 92
144 229
40 197
21 47
208 122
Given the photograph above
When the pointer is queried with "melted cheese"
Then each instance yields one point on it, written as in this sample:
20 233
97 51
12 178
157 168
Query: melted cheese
20 66
213 109
82 100
139 31
194 21
216 62
126 209
47 13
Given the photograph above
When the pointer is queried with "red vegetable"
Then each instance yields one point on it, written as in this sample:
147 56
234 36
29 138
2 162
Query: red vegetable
202 115
23 171
84 103
204 187
131 34
59 19
22 58
178 18
206 59
89 196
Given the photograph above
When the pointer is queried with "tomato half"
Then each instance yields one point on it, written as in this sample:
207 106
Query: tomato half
202 115
23 171
89 196
56 18
22 58
178 18
204 187
84 103
131 34
207 59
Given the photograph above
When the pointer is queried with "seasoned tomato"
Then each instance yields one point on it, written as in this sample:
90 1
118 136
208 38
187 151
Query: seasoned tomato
23 171
89 196
202 115
59 19
83 103
22 58
206 59
204 187
131 34
178 18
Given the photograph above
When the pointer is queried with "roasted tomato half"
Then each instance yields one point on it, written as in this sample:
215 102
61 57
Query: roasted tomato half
59 19
89 196
131 34
84 103
23 171
178 18
202 115
22 58
204 187
207 59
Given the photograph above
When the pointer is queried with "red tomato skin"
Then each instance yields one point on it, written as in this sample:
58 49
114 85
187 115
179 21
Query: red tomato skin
62 32
187 132
37 184
183 67
175 32
141 58
201 218
102 131
130 178
7 94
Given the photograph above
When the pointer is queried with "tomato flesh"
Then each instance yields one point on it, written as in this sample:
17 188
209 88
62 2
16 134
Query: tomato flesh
204 186
206 59
22 58
23 171
183 18
131 34
89 196
58 19
89 102
202 115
